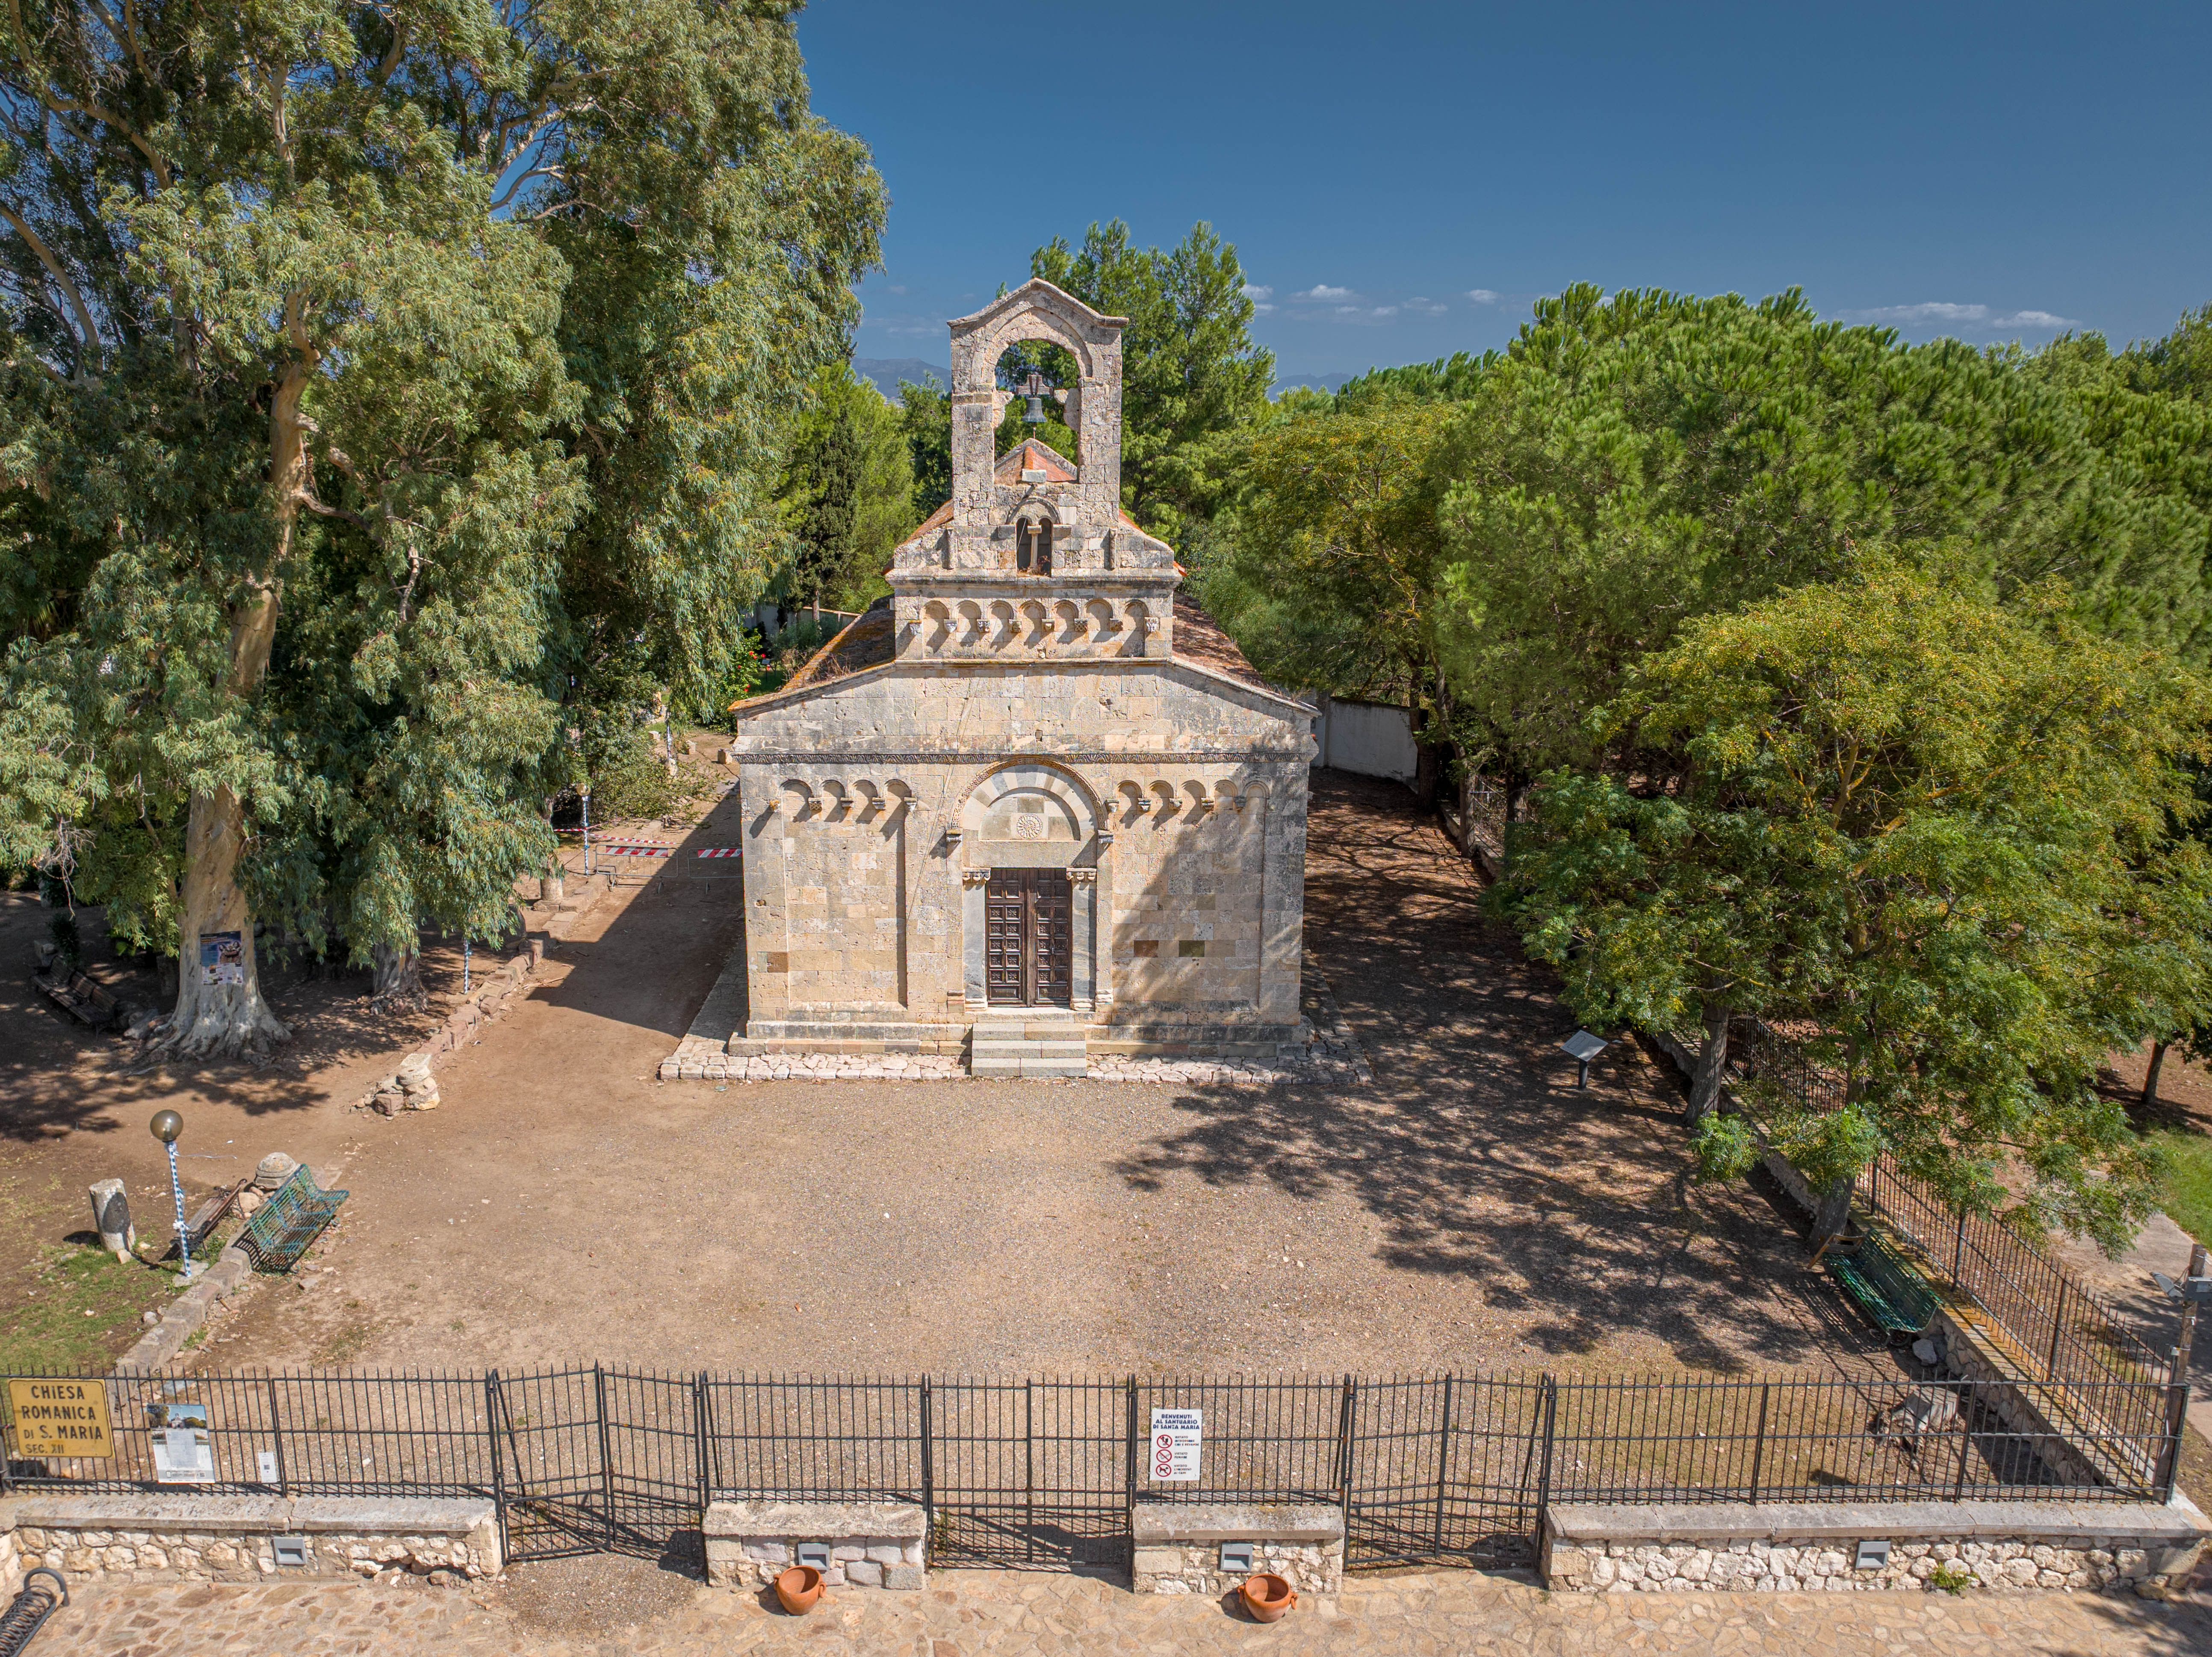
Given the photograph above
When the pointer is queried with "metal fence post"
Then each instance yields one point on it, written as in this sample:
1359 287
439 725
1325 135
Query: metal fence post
1759 1448
1444 1462
1959 1251
928 1465
1965 1447
1344 1454
1028 1471
498 1473
703 1452
1551 1427
2057 1328
606 1453
276 1438
1130 1442
2177 1423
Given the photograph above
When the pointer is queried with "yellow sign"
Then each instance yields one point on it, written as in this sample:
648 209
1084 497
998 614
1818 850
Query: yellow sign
61 1418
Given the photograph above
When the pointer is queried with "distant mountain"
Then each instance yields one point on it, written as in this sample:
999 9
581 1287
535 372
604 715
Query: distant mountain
1317 381
886 373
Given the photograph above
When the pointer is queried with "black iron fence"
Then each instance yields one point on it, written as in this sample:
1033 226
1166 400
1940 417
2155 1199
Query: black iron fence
2055 1332
1045 1473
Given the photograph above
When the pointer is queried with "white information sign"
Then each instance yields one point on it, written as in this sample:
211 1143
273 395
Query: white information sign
183 1455
1175 1434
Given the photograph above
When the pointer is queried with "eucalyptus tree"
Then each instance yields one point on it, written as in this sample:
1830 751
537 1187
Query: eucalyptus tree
305 457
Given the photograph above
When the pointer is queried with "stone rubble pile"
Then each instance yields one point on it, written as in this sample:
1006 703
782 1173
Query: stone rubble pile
413 1085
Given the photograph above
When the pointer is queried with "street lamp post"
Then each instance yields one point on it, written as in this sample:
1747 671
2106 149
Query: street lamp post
167 1125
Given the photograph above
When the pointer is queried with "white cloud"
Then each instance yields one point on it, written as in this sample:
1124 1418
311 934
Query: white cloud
1422 305
898 290
1483 295
1321 292
1255 290
1261 310
1969 319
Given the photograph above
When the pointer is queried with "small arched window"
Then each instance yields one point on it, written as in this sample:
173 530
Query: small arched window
1033 547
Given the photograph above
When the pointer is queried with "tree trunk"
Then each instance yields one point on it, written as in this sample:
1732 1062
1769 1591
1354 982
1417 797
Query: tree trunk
398 970
219 1005
2150 1076
1832 1216
1712 1064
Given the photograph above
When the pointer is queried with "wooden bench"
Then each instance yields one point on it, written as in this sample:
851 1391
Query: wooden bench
208 1216
293 1217
1885 1287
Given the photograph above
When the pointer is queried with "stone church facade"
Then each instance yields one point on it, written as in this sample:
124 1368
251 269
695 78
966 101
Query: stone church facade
1036 798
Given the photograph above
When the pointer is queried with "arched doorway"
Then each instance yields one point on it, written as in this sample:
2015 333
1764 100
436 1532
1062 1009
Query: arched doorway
1029 847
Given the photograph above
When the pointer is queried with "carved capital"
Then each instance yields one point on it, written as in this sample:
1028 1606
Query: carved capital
953 837
1082 876
1105 838
975 877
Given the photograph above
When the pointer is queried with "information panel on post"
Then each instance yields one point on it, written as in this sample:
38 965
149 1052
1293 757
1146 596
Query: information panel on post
1175 1434
61 1418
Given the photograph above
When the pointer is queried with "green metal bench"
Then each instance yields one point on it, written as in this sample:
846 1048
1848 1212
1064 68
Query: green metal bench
1887 1287
292 1218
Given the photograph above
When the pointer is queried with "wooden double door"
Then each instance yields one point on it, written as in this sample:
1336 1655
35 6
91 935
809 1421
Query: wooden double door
1030 938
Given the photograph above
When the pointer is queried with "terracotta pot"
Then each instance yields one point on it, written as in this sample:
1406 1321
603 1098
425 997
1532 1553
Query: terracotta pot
1266 1596
798 1589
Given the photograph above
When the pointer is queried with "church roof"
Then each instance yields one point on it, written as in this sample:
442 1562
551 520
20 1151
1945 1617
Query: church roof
1030 456
867 640
1197 638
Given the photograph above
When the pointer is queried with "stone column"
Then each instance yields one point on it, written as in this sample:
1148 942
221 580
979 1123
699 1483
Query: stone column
1083 913
975 922
1102 925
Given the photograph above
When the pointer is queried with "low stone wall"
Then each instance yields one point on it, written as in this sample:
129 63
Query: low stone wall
1177 1546
1785 1547
154 1536
872 1545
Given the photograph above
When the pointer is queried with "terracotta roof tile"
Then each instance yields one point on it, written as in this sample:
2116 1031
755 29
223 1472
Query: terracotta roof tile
1199 639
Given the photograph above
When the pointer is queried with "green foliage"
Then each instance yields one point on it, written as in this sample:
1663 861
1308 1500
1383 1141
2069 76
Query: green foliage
1190 374
1632 463
2185 1178
925 421
1724 1147
374 379
1937 829
1327 575
847 493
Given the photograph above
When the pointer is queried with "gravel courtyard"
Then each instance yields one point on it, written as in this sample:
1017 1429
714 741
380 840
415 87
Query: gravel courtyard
1471 1208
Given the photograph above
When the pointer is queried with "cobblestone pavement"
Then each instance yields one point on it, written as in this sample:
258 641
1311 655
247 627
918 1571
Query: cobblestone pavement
976 1614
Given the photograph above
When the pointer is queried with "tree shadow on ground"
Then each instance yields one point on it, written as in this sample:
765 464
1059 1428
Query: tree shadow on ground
1574 1210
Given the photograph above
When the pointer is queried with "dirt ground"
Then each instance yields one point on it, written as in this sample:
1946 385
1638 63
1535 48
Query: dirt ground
1471 1208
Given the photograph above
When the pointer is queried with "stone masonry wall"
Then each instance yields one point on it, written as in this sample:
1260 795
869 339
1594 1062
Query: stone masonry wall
1177 1546
873 1562
201 1556
2024 1562
1311 1568
872 1545
1798 1547
1186 837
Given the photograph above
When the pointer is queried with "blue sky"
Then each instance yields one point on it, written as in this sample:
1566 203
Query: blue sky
1403 178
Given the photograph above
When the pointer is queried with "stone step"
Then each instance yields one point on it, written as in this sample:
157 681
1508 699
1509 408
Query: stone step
1018 1068
1010 1048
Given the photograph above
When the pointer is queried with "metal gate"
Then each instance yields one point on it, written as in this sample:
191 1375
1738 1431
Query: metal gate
597 1460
